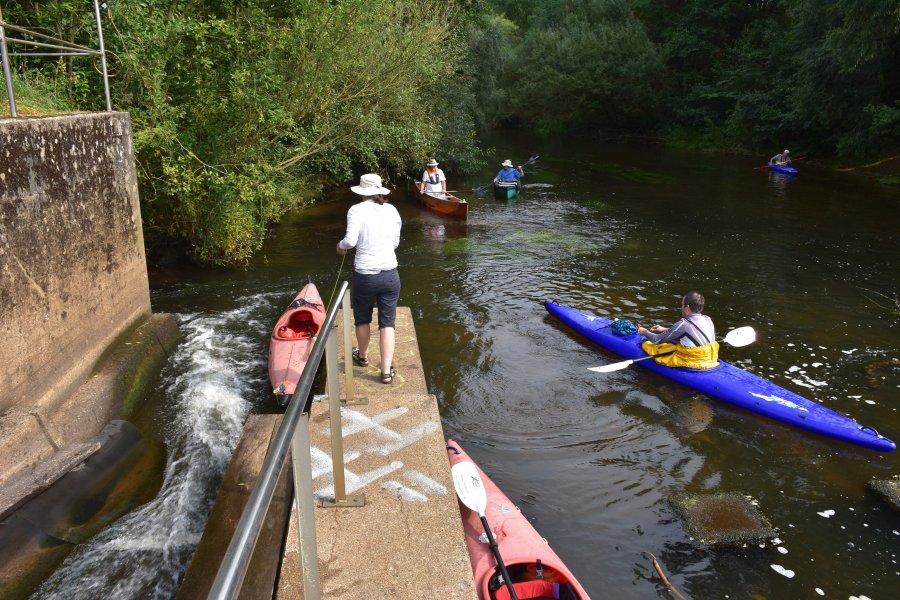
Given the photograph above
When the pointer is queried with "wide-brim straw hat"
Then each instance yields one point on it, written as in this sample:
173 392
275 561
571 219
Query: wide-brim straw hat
506 163
369 185
432 163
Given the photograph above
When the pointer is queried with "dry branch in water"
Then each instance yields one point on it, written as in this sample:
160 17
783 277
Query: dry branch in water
665 579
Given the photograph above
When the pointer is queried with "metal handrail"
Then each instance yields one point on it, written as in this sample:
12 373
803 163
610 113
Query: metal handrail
65 49
237 558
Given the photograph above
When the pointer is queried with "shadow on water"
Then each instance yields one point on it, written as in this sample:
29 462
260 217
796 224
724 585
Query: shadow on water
592 459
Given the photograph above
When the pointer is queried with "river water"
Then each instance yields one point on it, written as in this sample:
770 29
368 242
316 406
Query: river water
592 459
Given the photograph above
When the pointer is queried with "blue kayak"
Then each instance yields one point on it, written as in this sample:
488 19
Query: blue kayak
782 169
729 384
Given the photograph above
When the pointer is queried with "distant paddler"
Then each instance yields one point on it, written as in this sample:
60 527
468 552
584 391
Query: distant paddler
433 179
509 174
782 158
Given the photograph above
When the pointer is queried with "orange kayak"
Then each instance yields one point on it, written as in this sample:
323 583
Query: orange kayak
443 203
534 568
292 340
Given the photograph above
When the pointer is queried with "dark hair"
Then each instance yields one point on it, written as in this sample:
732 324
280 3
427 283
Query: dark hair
694 301
379 198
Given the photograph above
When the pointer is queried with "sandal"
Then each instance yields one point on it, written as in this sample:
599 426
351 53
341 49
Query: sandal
388 377
360 360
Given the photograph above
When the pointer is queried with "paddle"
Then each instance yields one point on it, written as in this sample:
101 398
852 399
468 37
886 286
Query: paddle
470 490
482 189
763 167
742 336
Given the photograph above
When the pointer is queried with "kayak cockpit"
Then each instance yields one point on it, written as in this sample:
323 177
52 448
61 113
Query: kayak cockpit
533 581
298 325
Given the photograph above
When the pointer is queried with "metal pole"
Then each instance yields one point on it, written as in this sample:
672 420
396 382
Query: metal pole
337 437
7 75
233 568
306 518
102 55
334 415
349 387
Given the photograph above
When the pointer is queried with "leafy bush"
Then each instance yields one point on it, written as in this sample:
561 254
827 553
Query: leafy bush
237 105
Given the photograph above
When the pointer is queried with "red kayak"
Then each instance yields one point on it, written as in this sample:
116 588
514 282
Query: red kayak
534 568
292 340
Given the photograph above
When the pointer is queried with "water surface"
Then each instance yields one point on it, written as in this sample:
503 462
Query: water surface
810 262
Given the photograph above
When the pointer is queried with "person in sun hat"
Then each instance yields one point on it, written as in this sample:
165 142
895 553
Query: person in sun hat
509 173
373 228
690 342
433 179
782 158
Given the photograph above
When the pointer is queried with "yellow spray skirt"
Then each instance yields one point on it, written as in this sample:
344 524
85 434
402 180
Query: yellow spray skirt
702 357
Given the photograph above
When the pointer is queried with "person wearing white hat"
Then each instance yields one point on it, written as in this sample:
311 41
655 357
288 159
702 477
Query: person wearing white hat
781 159
433 179
373 228
508 173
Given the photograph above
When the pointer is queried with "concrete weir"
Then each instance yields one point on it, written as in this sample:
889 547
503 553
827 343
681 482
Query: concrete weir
73 277
406 541
79 346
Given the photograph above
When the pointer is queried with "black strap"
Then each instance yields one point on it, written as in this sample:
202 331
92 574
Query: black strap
700 331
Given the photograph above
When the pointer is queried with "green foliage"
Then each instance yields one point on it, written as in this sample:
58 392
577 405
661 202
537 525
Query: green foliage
566 64
817 75
238 105
36 95
809 74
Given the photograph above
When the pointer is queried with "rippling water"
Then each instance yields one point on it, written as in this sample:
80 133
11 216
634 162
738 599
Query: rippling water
809 262
144 554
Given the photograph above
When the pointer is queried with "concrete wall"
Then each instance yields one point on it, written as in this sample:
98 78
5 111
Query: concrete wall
73 275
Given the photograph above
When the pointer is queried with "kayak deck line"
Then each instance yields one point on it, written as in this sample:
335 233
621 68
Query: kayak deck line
730 384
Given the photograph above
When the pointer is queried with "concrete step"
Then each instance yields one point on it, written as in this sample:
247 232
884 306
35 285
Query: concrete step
407 540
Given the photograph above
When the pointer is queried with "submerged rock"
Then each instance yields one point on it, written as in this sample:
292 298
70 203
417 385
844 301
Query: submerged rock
729 519
888 489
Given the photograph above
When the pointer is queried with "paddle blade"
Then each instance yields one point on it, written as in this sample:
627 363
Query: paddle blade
610 368
469 486
742 336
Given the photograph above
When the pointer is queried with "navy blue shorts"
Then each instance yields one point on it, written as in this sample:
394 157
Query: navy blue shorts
383 287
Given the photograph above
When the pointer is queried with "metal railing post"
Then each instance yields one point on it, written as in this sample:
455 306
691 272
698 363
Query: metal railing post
102 55
349 387
232 570
306 518
7 74
337 441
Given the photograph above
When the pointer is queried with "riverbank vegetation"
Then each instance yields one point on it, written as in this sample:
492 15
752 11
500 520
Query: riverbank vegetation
240 108
816 76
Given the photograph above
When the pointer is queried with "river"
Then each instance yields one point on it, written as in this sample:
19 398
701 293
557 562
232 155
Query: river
592 459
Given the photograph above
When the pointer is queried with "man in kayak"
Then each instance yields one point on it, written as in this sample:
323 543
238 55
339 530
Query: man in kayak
691 342
509 174
781 159
433 179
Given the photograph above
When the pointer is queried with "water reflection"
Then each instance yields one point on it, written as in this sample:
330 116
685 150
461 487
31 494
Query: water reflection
780 181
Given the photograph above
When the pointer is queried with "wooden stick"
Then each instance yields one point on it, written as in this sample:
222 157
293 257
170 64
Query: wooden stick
665 579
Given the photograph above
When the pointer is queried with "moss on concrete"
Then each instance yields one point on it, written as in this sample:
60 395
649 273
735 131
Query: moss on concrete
888 490
727 519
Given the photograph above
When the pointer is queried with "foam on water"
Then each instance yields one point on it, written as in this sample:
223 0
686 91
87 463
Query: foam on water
144 553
